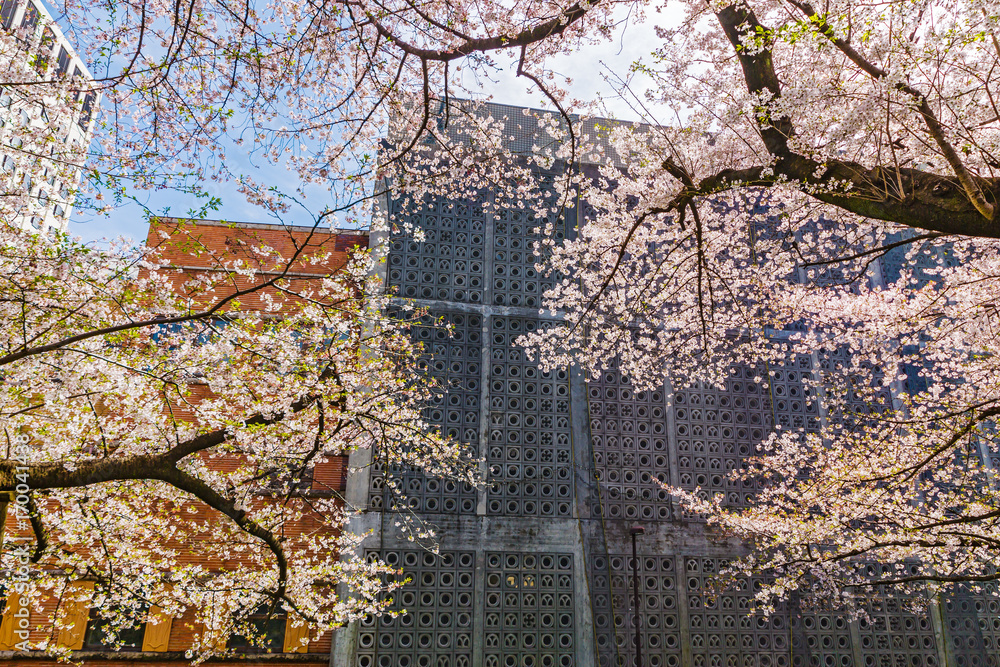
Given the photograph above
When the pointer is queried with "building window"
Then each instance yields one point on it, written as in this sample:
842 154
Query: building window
87 111
14 616
45 51
98 638
62 61
265 632
7 10
287 480
30 20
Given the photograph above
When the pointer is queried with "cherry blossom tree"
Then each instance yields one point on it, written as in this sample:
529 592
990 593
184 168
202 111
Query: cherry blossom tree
160 435
786 147
799 146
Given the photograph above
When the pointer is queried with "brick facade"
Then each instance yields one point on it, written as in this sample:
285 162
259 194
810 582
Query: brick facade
190 248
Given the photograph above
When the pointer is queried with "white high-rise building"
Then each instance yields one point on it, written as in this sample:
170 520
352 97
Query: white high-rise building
47 113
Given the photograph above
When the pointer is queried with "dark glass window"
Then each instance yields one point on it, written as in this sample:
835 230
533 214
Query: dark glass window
7 10
45 50
62 61
97 637
87 111
31 18
278 481
266 632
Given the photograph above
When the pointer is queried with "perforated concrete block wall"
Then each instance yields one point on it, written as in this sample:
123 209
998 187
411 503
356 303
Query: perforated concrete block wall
439 590
535 568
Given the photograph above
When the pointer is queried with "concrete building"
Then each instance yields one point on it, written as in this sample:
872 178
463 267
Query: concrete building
535 569
40 151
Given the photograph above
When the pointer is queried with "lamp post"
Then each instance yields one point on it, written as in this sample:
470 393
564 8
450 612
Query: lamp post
633 531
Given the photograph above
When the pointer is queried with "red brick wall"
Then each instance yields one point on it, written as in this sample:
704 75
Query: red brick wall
189 246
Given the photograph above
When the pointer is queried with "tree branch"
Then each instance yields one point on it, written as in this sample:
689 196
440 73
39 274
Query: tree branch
550 28
140 466
929 201
968 181
126 326
880 249
38 528
216 501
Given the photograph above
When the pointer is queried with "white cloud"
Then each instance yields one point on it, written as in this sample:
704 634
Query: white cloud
591 67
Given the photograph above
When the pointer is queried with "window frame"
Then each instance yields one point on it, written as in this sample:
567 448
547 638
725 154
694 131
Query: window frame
96 624
269 623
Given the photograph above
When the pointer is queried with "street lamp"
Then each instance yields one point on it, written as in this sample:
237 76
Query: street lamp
633 531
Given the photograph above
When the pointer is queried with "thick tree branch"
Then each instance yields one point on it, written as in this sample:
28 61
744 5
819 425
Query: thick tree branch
141 466
928 201
216 501
968 181
38 528
738 21
550 28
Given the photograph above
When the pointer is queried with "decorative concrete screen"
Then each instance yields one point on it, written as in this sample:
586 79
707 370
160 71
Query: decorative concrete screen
448 265
722 631
891 634
529 454
436 630
529 610
516 282
974 627
716 430
453 354
659 611
535 568
628 430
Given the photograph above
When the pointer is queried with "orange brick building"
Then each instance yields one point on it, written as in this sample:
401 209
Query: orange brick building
192 248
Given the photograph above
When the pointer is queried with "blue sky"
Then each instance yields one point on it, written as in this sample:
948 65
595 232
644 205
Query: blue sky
128 219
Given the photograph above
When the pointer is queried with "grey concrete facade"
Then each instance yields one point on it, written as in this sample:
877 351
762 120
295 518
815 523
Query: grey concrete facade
534 570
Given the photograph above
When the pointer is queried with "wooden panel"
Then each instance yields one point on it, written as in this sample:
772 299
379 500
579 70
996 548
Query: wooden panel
157 635
15 617
294 636
221 641
76 612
